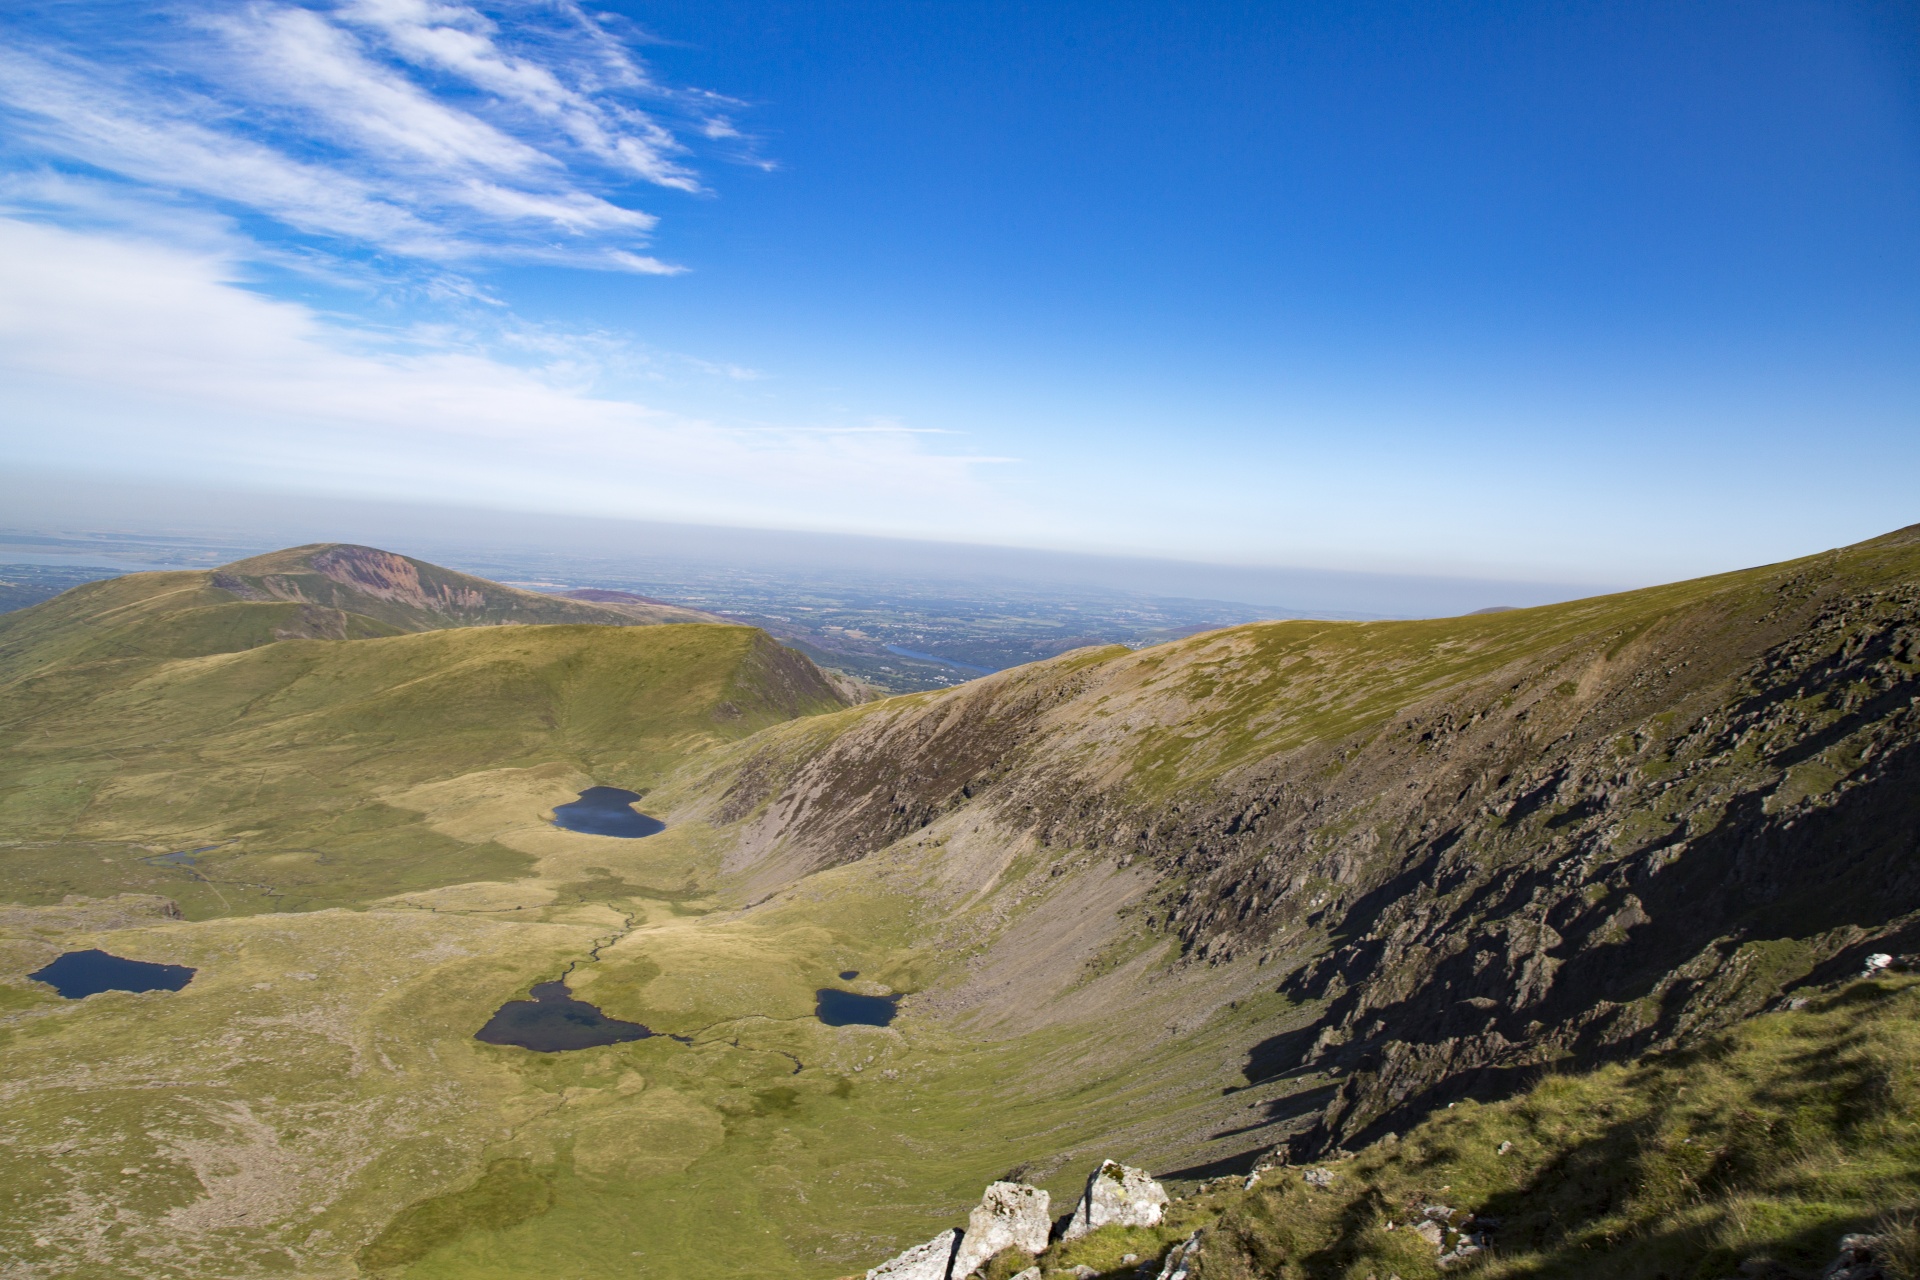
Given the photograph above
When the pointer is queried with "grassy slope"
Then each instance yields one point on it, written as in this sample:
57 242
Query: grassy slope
1759 1147
415 595
284 1124
1221 701
286 755
363 593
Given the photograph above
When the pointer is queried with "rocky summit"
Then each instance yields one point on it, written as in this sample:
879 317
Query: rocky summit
1574 940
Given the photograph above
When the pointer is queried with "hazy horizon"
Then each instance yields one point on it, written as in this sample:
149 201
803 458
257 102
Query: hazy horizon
1589 294
229 524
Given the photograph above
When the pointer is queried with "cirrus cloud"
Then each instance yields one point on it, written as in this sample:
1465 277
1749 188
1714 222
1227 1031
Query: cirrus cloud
425 130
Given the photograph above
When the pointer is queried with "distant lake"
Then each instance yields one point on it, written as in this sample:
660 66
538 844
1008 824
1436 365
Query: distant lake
898 652
846 1008
553 1022
606 811
79 974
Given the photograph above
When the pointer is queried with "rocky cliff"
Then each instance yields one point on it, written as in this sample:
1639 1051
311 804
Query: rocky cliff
1472 846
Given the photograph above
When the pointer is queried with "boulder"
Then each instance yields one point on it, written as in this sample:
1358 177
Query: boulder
1117 1195
1012 1215
929 1261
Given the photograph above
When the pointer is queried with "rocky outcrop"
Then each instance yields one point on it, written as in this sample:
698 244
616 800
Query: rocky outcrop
930 1261
1011 1215
1117 1195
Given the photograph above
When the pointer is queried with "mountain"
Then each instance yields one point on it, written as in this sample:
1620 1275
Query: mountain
183 709
1278 891
326 591
1458 850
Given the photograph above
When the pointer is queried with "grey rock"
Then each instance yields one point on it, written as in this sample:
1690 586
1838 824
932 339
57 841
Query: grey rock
1117 1195
1318 1177
1180 1258
929 1261
1427 1229
1857 1260
1031 1273
1011 1215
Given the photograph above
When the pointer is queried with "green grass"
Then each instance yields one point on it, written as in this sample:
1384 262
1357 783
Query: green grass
289 756
314 1105
1764 1145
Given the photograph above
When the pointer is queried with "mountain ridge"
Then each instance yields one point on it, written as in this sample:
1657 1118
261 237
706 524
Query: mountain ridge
1455 848
1268 892
321 591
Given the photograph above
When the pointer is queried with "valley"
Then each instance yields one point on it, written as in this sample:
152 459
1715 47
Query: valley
1274 891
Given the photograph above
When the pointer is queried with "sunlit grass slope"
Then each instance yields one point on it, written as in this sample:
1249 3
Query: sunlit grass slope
376 875
334 591
1750 1154
1200 708
286 755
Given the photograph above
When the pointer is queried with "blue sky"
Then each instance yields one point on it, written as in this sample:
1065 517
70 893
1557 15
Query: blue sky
1603 292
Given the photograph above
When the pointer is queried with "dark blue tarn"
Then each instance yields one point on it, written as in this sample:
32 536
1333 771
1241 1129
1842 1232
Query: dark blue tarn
606 811
847 1008
553 1022
79 974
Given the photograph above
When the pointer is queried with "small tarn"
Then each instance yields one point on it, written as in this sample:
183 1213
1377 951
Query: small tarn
847 1008
79 974
606 811
848 975
554 1022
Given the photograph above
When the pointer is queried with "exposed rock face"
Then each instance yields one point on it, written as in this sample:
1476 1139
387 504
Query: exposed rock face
1117 1195
1011 1215
412 595
1477 845
929 1261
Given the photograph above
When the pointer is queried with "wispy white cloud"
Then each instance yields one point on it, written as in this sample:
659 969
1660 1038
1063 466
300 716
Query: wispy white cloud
209 378
418 129
457 39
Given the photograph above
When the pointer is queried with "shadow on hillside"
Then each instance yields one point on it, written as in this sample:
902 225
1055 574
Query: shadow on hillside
1278 1055
1277 1110
1234 1166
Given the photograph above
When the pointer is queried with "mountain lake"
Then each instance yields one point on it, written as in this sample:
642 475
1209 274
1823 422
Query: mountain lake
79 974
606 811
839 1008
553 1022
